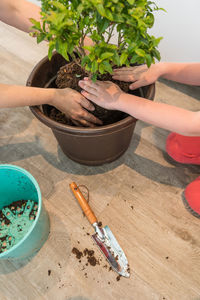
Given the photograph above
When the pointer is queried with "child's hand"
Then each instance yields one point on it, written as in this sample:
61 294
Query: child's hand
75 107
140 76
105 94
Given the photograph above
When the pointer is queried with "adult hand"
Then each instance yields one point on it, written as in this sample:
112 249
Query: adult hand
140 75
103 93
75 107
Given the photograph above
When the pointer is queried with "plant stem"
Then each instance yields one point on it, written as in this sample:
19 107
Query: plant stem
81 43
110 33
119 38
75 59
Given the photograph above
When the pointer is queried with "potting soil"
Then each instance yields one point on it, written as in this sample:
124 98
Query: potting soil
15 221
68 77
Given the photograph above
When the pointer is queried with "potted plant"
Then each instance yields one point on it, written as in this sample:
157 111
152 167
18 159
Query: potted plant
65 24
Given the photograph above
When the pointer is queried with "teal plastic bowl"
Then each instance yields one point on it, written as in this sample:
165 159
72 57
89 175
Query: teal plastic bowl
17 184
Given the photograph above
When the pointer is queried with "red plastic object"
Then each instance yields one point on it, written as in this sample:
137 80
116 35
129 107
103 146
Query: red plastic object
183 149
192 197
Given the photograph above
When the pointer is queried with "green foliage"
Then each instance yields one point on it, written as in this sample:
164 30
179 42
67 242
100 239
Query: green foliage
64 24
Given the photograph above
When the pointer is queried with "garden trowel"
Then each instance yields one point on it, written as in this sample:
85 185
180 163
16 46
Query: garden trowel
103 237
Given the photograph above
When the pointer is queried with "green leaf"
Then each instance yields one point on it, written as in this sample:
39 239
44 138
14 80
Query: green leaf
87 68
107 66
62 48
101 10
156 54
92 56
149 20
101 68
111 46
160 8
58 5
131 2
103 25
44 26
95 36
89 48
36 24
148 59
51 48
106 55
85 60
94 77
41 37
109 15
118 18
67 22
134 59
123 58
116 59
157 41
94 66
131 47
140 52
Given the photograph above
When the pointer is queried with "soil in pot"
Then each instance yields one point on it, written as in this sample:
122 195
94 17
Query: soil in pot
15 221
68 77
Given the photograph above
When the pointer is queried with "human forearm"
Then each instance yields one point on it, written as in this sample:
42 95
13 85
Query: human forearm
110 96
161 115
187 73
14 96
18 12
68 101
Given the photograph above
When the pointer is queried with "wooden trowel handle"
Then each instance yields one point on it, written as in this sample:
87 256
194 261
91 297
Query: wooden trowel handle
83 203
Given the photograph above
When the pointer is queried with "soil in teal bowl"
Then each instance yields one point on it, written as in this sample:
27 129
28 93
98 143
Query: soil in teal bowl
15 221
24 222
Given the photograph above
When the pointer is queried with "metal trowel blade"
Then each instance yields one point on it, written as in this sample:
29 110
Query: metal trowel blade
112 251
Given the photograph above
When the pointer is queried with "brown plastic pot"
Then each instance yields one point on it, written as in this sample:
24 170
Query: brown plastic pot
89 146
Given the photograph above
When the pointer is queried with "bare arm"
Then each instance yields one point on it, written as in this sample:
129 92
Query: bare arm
188 73
17 13
169 117
14 96
66 100
162 115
